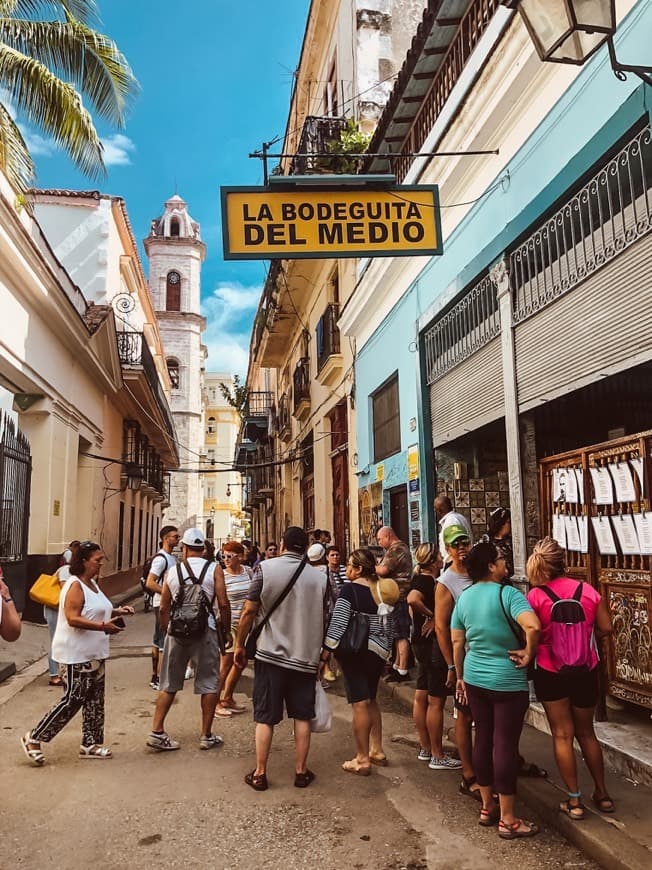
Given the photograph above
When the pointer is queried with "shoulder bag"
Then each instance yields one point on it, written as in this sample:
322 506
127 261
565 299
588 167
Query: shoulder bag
46 590
252 638
518 633
356 634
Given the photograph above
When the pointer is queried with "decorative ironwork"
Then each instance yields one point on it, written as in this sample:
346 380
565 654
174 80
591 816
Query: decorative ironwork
301 382
471 29
317 132
259 404
15 481
133 351
327 335
123 303
463 330
611 212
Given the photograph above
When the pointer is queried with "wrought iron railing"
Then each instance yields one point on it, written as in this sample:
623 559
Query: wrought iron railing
284 416
472 27
259 404
133 351
301 382
327 335
317 132
15 483
607 215
469 325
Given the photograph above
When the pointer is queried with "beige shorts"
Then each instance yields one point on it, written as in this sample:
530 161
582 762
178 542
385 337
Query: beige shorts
176 656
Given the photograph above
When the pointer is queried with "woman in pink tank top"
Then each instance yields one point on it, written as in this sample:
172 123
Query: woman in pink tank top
572 615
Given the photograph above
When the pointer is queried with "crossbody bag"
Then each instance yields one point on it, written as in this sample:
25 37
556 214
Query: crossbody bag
518 633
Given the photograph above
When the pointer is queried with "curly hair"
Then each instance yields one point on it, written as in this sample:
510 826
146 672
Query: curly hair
547 561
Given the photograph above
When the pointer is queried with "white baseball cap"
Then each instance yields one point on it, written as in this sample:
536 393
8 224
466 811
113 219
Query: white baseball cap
193 538
315 552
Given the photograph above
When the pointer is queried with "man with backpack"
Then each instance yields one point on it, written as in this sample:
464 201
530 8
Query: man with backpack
191 590
154 571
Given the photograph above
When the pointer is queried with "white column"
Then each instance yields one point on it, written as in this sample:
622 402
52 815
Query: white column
500 277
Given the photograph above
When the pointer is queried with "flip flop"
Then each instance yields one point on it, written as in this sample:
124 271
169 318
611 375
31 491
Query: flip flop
512 831
303 780
378 760
223 713
355 768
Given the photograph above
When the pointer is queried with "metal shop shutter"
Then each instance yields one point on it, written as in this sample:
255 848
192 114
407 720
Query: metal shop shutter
469 396
601 327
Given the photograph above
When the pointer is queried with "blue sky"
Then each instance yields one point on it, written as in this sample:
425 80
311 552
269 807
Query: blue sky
216 81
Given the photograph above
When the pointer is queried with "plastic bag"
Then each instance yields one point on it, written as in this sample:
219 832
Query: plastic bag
323 716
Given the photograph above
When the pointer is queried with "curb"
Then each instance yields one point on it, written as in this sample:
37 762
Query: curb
611 848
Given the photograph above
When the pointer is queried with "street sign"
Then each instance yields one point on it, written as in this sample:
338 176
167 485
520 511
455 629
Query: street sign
261 224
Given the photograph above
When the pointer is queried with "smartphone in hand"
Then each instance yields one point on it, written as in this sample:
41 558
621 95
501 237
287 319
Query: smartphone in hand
119 621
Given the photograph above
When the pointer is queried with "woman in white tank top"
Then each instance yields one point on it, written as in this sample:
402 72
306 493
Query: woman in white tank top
81 646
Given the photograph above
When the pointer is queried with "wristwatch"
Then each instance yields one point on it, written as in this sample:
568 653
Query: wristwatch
451 667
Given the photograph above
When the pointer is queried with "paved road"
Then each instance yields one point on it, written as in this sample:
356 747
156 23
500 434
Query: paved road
191 808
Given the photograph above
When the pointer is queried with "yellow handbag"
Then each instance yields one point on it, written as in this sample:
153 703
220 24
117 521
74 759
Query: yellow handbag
46 590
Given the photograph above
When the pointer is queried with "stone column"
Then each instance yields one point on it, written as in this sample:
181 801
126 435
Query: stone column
500 276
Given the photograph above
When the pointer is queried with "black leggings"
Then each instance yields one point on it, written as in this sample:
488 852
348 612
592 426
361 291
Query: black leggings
498 718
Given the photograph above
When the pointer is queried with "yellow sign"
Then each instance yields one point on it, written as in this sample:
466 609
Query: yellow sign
413 462
380 472
258 223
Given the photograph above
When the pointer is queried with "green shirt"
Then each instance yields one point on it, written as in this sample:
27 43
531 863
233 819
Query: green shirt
489 637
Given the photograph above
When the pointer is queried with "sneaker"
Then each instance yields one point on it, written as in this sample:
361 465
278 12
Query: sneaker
444 763
424 755
154 684
162 742
210 742
189 673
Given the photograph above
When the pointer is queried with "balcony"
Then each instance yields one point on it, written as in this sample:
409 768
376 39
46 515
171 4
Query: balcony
301 389
141 376
316 134
284 418
256 415
329 358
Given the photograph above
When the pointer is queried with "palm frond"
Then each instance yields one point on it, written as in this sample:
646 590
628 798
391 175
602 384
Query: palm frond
54 106
76 53
81 10
15 159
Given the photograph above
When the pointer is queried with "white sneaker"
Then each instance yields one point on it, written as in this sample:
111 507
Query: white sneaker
210 742
444 763
424 755
162 742
189 673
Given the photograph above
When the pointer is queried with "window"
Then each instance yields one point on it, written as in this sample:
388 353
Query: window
210 456
173 371
210 491
211 429
386 420
173 292
331 106
174 227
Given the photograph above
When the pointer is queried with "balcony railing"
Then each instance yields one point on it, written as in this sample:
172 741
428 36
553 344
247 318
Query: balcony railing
259 404
316 134
328 335
133 351
607 215
467 327
301 383
471 29
283 418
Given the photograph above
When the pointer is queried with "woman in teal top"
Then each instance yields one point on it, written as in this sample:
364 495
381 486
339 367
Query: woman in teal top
492 679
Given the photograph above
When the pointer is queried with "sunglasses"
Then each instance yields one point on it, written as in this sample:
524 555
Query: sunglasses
462 542
87 545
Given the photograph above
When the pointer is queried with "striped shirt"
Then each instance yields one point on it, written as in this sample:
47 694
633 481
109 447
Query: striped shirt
380 627
237 587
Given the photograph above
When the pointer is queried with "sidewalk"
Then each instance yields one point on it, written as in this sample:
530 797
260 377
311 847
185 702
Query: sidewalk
622 841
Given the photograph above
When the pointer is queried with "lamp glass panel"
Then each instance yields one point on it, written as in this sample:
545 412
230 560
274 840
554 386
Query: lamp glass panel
595 13
578 46
547 21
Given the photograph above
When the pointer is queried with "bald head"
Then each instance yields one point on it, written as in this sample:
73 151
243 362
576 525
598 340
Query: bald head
386 536
443 505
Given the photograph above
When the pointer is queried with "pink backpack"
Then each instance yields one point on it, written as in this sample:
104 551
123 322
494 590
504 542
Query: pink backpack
570 645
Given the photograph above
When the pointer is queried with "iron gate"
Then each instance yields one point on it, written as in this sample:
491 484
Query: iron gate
15 479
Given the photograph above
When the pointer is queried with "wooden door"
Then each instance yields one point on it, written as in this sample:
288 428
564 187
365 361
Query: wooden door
398 513
339 469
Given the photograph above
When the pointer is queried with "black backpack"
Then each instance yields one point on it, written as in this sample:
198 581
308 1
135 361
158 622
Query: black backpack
144 574
190 606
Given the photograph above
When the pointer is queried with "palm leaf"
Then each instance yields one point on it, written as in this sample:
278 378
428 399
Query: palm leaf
54 106
15 159
76 53
82 10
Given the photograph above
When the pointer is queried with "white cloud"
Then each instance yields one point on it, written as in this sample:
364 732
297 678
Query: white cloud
37 145
226 353
229 315
117 150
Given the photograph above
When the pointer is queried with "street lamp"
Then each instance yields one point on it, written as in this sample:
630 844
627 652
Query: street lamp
134 476
571 31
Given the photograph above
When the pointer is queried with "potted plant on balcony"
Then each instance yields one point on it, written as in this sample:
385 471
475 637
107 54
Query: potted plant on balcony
351 141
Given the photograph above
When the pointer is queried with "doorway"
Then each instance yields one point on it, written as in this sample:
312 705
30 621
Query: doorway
398 512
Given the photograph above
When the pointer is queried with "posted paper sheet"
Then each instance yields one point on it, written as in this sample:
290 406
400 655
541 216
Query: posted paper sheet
572 534
626 532
602 485
643 524
559 529
604 536
623 480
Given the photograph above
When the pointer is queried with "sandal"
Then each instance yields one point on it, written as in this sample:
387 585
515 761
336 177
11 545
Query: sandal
303 780
380 760
528 768
489 818
34 754
223 712
55 681
603 804
232 707
465 788
95 751
514 831
354 767
573 811
257 781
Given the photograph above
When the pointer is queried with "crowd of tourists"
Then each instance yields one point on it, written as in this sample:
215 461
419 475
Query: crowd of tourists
306 618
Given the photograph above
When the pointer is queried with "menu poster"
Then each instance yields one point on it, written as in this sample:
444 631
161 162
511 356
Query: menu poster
623 480
626 532
602 485
638 468
572 494
572 534
604 535
583 525
556 490
579 474
559 529
643 523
